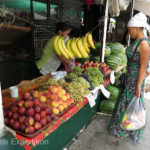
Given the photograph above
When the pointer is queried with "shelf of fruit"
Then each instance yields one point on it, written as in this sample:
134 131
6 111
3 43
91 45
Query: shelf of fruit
35 110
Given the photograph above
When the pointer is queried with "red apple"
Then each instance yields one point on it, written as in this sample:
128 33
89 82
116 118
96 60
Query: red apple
21 103
105 68
22 127
28 104
26 96
5 113
53 116
22 110
16 125
29 121
30 112
37 109
43 106
6 120
82 66
15 116
14 108
48 101
102 65
37 125
35 101
11 121
48 111
29 130
9 113
107 72
48 118
47 94
22 119
43 121
43 113
37 117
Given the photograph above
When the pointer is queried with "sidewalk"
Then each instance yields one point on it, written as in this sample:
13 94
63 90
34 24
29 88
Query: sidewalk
95 136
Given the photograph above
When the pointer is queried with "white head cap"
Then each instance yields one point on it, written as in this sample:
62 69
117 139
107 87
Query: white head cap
139 20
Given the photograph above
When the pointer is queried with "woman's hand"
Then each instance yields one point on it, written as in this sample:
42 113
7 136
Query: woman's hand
138 91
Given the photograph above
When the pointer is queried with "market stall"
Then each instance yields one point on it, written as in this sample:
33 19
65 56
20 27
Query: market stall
72 99
63 128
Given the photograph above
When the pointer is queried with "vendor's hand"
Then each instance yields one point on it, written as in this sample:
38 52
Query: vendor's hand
138 91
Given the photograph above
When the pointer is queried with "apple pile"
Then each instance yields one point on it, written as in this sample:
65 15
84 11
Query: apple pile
36 109
101 66
29 114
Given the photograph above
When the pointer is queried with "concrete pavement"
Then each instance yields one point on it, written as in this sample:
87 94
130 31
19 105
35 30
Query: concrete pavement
96 137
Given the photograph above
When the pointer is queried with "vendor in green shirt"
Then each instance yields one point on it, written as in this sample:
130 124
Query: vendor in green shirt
50 61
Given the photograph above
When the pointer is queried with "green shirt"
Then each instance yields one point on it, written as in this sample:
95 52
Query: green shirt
49 61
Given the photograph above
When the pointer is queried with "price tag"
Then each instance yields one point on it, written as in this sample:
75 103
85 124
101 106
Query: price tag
112 77
104 91
91 100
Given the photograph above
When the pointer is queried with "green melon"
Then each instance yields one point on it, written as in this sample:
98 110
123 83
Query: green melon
114 92
116 48
113 61
107 106
107 51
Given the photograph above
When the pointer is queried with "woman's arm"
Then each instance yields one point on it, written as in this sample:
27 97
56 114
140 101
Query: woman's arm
144 56
63 59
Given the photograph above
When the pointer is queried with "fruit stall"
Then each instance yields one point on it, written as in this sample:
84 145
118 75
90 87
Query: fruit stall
55 107
50 110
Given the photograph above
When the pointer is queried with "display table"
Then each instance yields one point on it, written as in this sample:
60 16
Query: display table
60 132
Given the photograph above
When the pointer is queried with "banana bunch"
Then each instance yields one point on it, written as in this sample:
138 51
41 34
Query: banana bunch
60 47
74 47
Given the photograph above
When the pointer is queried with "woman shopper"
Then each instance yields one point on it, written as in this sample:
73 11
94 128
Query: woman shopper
136 77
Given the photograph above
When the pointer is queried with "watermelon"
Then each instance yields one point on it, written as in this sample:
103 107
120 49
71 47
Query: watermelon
116 48
107 106
123 58
97 45
113 61
107 51
114 92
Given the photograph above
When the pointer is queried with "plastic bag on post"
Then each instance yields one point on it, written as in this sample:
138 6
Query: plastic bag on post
134 117
123 4
114 9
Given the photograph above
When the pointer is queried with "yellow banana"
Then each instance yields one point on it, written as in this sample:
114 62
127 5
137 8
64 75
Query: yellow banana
65 49
85 44
86 40
73 47
81 48
90 40
61 49
55 45
68 46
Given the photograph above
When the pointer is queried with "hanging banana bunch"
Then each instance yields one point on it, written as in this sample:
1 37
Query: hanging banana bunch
81 48
75 47
90 40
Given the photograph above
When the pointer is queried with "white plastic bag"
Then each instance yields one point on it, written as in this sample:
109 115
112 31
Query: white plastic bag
134 117
58 74
123 4
115 6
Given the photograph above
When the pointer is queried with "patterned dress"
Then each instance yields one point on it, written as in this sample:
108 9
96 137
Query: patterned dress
126 96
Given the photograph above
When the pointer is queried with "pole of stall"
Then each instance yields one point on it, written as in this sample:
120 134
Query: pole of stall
1 115
105 30
132 11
